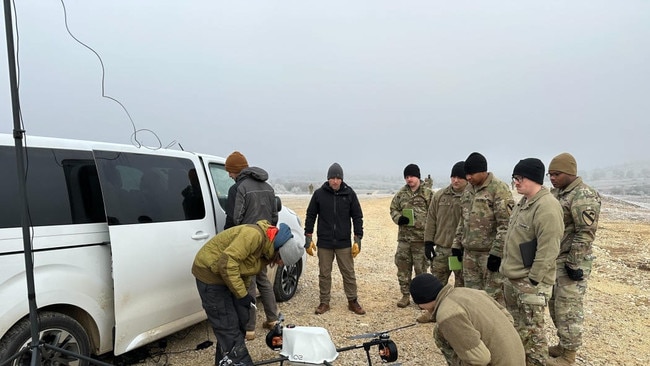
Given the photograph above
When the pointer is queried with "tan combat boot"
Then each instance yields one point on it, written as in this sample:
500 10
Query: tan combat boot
555 351
404 302
567 359
425 317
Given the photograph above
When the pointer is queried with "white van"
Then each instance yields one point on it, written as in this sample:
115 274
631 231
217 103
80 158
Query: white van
114 231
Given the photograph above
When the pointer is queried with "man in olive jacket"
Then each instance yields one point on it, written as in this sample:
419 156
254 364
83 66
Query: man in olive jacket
224 268
471 327
532 244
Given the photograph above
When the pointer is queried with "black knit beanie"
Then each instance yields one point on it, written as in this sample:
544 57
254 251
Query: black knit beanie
475 163
335 171
531 168
458 170
425 288
412 170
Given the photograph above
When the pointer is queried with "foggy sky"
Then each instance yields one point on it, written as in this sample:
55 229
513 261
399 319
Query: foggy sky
373 85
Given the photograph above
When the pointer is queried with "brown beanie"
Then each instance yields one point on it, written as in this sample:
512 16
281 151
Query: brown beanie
235 162
564 163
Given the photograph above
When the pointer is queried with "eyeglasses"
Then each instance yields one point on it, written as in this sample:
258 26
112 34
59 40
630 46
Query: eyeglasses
517 178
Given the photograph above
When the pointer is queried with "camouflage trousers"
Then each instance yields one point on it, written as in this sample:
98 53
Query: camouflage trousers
527 304
450 355
476 275
440 267
409 257
566 306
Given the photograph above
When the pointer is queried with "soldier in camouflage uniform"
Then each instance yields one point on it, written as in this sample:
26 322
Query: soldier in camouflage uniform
415 199
428 182
486 207
442 220
532 244
581 206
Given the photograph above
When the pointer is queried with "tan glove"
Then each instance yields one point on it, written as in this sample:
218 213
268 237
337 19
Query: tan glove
355 250
312 249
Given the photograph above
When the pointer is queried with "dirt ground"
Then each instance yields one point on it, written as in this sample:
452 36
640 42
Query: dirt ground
617 328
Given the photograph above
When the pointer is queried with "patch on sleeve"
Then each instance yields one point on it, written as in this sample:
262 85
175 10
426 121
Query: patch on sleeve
588 217
510 206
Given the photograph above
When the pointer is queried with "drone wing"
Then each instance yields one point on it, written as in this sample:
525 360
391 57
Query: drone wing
377 334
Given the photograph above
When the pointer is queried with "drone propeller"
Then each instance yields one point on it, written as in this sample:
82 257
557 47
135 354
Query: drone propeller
377 334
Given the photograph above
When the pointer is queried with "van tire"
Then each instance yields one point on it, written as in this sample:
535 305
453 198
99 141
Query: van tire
286 281
57 330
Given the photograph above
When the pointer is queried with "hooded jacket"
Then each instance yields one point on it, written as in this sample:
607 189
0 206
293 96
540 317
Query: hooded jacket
337 212
251 199
231 257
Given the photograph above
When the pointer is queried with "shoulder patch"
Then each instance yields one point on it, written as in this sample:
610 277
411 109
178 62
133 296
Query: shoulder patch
510 206
588 217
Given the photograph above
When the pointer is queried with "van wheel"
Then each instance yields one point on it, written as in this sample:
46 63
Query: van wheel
56 330
286 281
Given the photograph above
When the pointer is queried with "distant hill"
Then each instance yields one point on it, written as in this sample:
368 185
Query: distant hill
625 179
629 179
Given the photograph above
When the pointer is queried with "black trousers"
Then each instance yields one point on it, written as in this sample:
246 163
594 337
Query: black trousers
228 320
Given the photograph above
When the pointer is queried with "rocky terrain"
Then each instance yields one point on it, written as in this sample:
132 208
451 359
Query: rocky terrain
617 327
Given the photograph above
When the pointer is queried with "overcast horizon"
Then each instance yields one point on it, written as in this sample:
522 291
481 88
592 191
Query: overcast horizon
373 85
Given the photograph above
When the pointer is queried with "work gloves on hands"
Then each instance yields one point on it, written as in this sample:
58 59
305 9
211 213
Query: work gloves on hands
429 251
356 246
403 220
457 253
574 274
246 301
310 246
493 263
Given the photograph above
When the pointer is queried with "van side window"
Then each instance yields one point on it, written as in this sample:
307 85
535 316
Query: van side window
62 188
145 188
222 183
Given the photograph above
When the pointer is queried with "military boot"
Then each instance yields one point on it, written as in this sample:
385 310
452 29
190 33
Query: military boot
404 302
425 317
555 351
568 358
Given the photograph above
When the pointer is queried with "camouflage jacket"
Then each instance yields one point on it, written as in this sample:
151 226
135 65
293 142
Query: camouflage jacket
485 215
581 206
443 217
419 202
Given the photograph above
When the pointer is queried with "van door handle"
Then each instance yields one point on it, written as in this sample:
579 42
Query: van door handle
200 235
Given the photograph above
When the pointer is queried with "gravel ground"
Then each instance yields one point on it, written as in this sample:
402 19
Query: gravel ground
617 327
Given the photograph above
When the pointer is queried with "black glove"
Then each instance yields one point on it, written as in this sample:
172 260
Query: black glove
574 274
533 281
307 241
429 252
494 263
246 301
403 220
457 253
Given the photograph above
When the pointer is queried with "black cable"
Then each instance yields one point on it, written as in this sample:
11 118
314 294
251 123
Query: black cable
134 138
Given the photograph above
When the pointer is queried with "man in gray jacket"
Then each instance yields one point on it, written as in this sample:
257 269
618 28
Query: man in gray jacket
252 199
532 244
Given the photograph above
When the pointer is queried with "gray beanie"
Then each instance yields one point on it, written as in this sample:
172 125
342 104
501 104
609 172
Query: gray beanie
335 171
